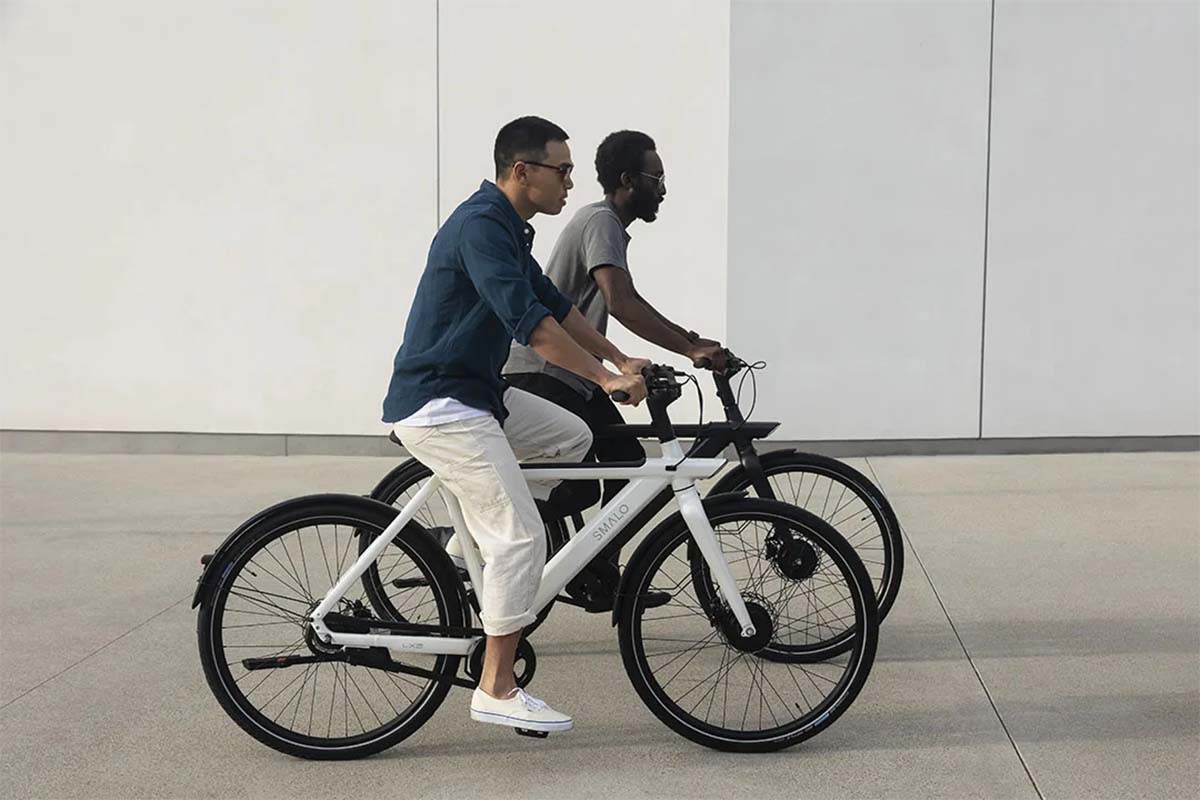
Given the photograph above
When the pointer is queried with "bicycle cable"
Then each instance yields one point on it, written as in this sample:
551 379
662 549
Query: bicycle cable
699 422
750 369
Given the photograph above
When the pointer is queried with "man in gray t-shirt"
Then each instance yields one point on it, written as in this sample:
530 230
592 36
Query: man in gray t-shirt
594 238
589 266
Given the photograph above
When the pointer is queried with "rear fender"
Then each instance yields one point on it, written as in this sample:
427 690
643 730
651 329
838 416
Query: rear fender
215 561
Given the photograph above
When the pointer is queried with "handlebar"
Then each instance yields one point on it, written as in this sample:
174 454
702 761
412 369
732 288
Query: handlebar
660 382
734 364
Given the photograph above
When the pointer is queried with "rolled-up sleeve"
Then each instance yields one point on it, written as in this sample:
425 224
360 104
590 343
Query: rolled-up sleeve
549 295
494 265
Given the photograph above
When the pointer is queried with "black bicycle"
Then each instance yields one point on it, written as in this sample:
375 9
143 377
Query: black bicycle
831 490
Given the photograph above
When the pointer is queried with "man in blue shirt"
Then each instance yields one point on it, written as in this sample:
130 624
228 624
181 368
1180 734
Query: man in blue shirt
482 289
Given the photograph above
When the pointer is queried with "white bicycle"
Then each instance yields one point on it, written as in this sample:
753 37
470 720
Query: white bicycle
321 647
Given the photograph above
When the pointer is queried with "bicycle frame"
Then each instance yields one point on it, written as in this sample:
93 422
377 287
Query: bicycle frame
646 482
710 439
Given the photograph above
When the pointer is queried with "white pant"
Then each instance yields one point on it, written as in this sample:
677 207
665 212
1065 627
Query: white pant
477 461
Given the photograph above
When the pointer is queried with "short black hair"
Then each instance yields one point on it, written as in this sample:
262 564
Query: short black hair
524 137
620 152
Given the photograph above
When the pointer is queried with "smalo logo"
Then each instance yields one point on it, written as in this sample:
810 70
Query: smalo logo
609 522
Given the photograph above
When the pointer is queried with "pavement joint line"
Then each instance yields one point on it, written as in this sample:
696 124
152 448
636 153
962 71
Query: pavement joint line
908 543
983 685
94 652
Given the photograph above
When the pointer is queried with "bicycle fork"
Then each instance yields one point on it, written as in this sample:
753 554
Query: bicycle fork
691 507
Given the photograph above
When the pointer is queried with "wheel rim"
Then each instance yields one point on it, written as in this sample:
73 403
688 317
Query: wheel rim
259 611
708 684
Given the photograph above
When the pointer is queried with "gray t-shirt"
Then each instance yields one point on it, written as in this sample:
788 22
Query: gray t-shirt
593 238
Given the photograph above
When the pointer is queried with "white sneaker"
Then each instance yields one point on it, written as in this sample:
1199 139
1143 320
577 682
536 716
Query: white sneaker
518 710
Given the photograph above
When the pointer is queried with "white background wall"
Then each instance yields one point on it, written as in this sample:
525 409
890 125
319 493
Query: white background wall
857 207
212 211
1093 318
857 189
215 214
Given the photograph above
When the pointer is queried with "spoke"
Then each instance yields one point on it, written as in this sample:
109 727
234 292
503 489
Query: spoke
229 610
303 560
347 677
258 624
345 552
712 693
286 686
698 646
267 605
296 582
325 560
287 598
299 697
763 674
284 584
371 675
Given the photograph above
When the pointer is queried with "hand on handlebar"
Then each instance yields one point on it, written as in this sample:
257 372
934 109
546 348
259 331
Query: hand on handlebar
709 356
626 389
634 366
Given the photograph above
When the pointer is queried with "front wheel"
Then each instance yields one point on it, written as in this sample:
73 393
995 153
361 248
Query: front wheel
843 497
698 675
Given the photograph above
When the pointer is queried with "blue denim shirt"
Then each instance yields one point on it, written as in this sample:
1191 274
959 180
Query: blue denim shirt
481 289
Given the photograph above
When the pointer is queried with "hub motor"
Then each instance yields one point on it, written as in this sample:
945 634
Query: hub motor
762 617
791 555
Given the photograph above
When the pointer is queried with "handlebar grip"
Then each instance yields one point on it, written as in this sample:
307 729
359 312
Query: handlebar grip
619 396
702 363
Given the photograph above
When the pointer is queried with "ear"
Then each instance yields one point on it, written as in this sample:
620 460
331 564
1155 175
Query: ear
626 180
519 172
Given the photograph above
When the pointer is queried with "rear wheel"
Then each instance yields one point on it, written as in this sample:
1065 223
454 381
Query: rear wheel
321 706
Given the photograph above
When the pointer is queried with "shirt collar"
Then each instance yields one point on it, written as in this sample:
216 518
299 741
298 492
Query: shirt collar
500 200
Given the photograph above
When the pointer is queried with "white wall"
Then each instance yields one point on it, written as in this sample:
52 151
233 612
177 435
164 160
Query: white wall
213 212
857 192
662 68
1093 323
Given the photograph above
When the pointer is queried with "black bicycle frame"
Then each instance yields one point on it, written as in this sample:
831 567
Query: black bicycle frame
710 441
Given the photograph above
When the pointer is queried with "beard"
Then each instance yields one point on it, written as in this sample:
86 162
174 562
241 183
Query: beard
645 205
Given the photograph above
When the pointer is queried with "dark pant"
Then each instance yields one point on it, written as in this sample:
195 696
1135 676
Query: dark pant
598 412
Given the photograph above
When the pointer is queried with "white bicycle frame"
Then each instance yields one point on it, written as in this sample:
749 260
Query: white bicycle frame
645 483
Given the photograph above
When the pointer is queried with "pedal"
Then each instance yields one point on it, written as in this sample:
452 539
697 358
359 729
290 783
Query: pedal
531 734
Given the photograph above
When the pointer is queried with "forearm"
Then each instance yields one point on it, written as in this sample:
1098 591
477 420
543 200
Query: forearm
591 339
639 317
560 345
684 332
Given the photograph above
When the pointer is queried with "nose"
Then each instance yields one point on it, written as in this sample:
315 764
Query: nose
568 183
